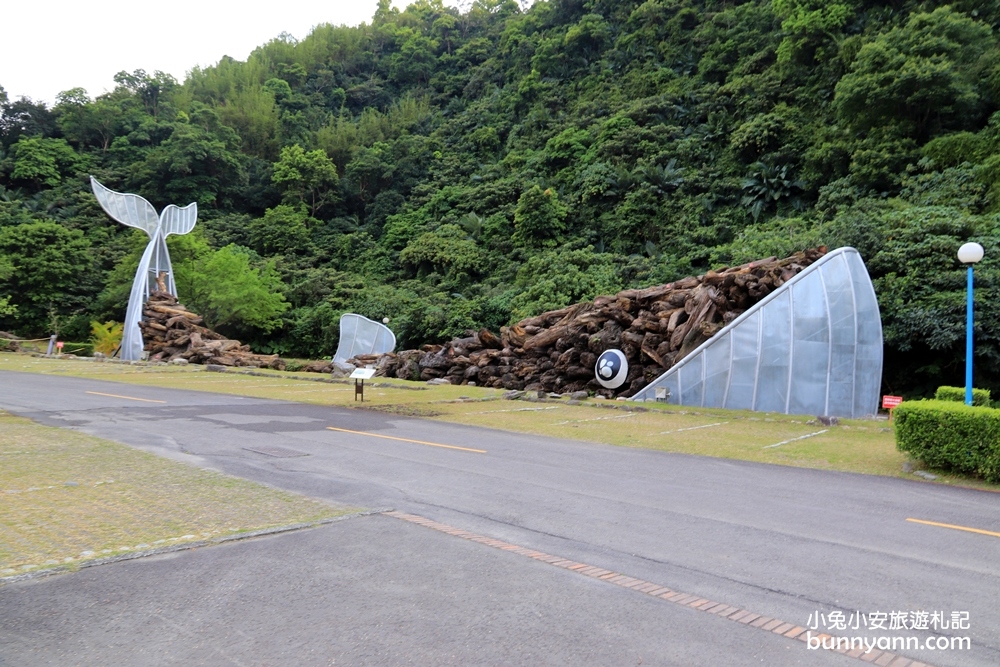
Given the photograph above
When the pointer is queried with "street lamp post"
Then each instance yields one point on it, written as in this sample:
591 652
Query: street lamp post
970 253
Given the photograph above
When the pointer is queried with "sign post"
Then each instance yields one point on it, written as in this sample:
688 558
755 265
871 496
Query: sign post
890 402
360 375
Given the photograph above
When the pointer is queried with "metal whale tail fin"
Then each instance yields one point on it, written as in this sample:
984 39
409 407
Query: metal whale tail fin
128 209
177 220
360 335
813 346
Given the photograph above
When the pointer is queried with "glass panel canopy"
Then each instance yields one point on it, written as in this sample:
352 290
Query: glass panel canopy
813 346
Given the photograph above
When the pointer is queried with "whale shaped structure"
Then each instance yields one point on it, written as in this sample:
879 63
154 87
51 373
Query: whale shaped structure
134 211
360 335
813 346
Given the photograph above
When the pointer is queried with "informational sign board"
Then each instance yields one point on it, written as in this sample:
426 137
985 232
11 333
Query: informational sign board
363 373
59 346
889 402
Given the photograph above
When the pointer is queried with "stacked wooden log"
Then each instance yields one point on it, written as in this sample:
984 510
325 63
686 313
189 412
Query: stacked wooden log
171 332
555 352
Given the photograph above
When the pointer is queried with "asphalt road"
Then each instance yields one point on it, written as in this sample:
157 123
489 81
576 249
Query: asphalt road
781 542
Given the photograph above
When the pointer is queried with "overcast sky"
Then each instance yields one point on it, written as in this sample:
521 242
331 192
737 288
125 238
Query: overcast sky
49 47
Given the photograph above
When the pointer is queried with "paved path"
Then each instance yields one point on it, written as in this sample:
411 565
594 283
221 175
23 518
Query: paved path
781 542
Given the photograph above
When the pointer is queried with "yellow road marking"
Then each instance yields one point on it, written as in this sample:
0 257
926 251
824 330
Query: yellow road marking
419 442
954 527
130 398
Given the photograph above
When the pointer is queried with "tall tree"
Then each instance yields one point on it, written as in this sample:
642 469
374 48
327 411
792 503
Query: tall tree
48 269
308 178
920 78
43 162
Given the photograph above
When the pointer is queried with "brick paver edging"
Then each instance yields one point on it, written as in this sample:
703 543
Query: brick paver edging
721 609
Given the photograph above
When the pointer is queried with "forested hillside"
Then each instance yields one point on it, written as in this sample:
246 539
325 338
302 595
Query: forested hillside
454 170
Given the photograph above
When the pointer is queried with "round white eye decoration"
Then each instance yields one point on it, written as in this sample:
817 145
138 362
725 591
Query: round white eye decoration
611 369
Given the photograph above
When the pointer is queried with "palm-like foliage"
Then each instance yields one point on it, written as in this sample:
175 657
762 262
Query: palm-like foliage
662 179
106 337
766 185
472 224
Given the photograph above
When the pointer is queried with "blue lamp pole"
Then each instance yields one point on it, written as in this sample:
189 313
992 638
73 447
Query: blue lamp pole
970 253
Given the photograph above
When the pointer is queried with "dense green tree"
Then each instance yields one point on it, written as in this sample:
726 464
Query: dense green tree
558 278
540 218
230 291
920 77
283 229
154 92
308 178
93 123
24 118
6 271
199 161
43 162
47 269
921 290
447 251
812 27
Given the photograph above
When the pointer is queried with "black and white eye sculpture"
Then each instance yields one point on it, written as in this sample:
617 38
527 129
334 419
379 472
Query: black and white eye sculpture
611 369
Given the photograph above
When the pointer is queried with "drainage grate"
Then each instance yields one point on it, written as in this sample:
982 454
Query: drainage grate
274 450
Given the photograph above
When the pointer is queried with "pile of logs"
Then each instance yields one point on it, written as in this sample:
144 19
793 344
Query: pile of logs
555 352
171 332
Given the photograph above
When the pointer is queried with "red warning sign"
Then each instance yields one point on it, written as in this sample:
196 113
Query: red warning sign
889 402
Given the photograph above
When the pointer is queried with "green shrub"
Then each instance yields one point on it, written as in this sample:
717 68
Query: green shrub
294 365
951 436
79 349
980 397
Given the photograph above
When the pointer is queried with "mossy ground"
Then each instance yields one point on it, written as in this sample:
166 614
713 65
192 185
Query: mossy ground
67 497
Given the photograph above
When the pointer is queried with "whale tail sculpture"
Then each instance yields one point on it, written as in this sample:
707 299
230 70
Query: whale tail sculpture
154 268
360 335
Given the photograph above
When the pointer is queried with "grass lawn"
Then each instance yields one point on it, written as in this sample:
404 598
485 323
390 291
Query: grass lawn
864 446
67 497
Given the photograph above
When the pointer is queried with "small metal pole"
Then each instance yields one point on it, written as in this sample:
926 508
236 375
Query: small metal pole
359 390
968 341
52 344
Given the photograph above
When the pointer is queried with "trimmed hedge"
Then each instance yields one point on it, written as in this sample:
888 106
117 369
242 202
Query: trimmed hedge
979 396
951 436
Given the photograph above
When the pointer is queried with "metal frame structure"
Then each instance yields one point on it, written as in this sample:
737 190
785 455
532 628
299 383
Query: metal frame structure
134 211
813 346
